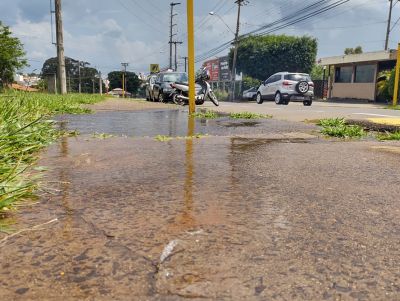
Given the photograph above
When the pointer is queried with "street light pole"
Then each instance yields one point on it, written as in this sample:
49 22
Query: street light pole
211 13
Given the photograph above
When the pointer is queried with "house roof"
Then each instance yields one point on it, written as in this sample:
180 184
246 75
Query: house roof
359 58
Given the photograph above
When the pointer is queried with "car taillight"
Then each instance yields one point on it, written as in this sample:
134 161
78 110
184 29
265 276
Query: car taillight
286 83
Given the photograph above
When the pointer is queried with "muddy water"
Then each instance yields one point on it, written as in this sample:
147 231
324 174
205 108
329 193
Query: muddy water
218 218
150 123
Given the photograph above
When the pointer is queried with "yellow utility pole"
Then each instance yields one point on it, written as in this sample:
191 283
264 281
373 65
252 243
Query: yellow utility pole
396 79
191 53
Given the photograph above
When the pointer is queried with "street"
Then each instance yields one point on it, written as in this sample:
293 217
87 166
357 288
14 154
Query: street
295 111
249 210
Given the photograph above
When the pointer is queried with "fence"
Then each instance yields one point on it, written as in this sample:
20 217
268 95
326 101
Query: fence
320 89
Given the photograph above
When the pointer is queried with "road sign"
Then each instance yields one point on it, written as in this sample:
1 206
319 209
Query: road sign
154 68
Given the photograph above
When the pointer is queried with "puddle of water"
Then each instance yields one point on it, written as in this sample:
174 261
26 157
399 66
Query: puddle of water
204 218
242 124
171 123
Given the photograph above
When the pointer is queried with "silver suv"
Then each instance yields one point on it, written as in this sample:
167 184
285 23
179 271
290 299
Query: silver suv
284 87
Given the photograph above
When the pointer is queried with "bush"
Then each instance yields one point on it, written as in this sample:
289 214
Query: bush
221 94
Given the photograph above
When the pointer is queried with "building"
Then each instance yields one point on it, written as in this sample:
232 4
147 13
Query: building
355 76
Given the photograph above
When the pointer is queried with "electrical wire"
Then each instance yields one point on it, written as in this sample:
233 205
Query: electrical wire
284 23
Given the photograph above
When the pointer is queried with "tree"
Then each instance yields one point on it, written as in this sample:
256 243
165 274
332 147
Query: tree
249 82
317 72
88 76
356 50
12 55
132 81
260 57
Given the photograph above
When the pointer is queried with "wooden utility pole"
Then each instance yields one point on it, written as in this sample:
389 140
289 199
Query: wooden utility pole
397 78
235 50
60 48
100 84
124 78
79 73
388 25
191 54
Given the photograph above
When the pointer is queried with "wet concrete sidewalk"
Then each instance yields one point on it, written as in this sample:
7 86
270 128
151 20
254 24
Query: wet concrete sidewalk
272 215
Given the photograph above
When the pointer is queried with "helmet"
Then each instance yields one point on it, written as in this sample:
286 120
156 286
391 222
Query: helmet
205 74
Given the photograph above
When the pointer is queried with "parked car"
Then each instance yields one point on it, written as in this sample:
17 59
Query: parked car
149 88
284 87
162 87
250 94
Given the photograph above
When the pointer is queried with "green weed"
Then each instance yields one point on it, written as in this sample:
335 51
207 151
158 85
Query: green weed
337 127
389 136
206 115
102 135
162 138
248 115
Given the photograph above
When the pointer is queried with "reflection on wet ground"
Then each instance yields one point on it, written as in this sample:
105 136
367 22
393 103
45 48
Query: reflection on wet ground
174 123
221 218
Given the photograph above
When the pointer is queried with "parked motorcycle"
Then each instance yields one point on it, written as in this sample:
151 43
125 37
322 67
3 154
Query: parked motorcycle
180 94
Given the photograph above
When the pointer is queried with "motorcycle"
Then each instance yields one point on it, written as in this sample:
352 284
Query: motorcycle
180 93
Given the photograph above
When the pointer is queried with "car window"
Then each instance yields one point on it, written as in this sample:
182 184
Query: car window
269 80
277 78
175 77
298 77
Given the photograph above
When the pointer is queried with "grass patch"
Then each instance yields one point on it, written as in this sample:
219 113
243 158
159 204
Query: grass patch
163 138
337 127
102 136
394 107
388 136
25 129
206 115
248 115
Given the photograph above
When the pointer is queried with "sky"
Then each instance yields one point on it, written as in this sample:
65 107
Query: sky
108 32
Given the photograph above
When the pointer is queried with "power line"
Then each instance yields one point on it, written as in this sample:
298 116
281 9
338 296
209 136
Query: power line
139 17
278 24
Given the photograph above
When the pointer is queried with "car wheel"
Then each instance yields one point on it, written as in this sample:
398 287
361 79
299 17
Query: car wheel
302 87
259 99
278 98
307 103
161 97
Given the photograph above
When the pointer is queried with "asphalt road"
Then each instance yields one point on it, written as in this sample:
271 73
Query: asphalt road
295 111
253 211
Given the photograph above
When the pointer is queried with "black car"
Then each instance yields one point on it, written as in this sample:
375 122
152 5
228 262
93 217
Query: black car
162 87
